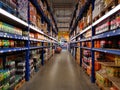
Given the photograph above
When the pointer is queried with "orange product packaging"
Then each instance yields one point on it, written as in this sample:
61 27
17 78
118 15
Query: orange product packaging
33 14
97 65
89 71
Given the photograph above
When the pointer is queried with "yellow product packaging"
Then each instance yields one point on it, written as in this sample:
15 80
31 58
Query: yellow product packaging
0 26
107 2
1 77
114 72
117 60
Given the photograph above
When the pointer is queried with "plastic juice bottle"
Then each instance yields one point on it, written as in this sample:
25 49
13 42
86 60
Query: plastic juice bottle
5 43
0 26
11 43
1 43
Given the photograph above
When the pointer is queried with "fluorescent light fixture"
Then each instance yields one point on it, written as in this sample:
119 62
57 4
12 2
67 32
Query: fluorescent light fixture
5 13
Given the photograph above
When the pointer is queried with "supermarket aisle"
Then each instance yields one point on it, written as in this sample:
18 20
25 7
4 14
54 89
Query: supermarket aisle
61 73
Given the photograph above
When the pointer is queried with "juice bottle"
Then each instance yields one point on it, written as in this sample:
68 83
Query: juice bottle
1 43
119 44
5 43
11 43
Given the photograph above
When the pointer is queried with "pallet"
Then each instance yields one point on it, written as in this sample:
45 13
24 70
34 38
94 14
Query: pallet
19 84
7 8
105 10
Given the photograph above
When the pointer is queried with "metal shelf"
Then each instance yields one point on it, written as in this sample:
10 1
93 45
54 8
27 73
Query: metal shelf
12 36
75 42
36 29
77 46
86 29
107 34
15 21
87 39
6 50
36 47
12 18
75 36
114 10
37 40
86 48
111 51
83 9
38 7
109 64
74 13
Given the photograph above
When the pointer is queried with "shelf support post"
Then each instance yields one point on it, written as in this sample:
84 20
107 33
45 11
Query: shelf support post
92 52
27 73
80 52
42 59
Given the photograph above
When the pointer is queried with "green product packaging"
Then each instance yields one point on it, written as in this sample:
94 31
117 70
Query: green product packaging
6 86
10 29
3 27
6 28
5 43
1 77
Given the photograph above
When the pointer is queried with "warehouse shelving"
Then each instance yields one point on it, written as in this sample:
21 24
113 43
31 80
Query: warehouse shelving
104 35
88 39
13 36
107 34
117 52
15 21
12 50
12 18
86 48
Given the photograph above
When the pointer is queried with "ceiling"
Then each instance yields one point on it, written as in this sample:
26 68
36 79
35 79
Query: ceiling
63 10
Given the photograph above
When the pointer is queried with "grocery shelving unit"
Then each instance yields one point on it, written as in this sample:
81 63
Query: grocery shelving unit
23 41
89 36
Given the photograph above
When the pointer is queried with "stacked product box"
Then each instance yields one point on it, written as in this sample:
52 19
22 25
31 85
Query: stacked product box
108 2
101 79
46 54
89 15
31 66
4 27
99 5
20 69
115 21
40 3
35 60
11 66
86 58
78 56
11 5
102 27
4 79
38 21
23 9
33 14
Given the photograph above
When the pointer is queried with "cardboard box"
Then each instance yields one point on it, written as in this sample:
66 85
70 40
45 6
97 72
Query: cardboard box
99 6
108 2
22 9
33 14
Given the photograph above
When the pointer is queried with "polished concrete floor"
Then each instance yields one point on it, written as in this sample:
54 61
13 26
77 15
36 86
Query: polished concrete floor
60 73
